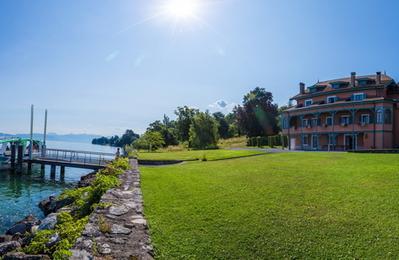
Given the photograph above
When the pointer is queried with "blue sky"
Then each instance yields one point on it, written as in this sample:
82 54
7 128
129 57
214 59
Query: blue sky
104 66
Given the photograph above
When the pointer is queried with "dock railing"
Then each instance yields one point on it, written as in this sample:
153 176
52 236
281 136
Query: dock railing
72 156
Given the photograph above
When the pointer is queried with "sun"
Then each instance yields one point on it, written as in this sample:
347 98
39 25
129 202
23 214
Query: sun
182 9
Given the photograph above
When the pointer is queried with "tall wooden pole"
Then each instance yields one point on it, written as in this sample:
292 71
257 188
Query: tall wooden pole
44 134
31 132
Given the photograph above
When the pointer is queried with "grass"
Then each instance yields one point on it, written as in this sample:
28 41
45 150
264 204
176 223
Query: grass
210 155
288 205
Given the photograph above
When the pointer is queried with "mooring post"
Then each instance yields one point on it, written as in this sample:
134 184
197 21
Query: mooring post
20 156
29 166
52 171
42 166
13 154
62 173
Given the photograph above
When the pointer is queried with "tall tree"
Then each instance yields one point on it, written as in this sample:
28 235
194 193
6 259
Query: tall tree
128 138
203 131
258 114
223 126
184 119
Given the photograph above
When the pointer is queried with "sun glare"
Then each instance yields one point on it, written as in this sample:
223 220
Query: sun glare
182 9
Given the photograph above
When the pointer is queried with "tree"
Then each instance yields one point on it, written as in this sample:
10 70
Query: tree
150 141
166 129
184 119
223 126
203 131
258 114
127 138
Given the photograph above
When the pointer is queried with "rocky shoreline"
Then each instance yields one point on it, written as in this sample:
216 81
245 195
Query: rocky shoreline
20 234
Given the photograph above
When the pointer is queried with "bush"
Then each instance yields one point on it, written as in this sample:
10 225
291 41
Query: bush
272 141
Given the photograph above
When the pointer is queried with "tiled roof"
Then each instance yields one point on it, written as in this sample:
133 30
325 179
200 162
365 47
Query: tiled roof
326 86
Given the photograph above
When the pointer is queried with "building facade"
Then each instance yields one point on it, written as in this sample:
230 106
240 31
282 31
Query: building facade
354 113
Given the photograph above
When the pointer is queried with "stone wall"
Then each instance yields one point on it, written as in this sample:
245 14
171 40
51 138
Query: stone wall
119 230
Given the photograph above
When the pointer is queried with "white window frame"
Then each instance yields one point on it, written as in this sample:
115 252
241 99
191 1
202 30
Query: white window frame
314 119
331 120
305 122
308 100
380 116
305 137
315 137
365 116
345 116
359 94
334 97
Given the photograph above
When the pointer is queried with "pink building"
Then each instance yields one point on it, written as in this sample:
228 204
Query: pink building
354 113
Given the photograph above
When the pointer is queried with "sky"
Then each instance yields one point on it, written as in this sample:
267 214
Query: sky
103 66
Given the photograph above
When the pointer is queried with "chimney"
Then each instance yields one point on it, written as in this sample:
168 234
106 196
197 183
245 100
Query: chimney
353 79
378 79
302 88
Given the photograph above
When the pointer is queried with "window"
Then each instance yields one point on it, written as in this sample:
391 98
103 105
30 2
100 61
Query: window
305 123
315 121
331 139
380 116
308 102
388 116
305 140
345 120
329 120
331 99
358 96
365 119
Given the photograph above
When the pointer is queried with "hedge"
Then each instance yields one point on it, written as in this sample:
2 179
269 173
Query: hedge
259 141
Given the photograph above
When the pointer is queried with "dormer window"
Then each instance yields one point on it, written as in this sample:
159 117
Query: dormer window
308 102
331 99
358 96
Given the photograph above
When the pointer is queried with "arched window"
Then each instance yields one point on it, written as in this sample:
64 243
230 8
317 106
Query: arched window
380 116
388 116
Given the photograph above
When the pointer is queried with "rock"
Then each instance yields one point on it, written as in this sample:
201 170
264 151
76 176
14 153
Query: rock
49 222
51 204
5 238
22 256
117 229
80 255
105 249
87 180
6 247
54 239
23 226
118 210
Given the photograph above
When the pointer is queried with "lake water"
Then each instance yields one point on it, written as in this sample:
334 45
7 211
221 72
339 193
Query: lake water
21 192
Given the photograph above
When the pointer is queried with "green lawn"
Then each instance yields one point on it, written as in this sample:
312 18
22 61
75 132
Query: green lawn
291 205
210 155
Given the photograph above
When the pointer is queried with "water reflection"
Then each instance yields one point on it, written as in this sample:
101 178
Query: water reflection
21 190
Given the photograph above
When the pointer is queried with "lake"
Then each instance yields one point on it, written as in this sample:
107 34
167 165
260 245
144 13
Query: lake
21 192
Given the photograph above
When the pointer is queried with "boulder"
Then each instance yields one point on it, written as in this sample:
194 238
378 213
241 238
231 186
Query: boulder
5 238
49 222
6 247
23 226
87 180
51 204
54 239
22 256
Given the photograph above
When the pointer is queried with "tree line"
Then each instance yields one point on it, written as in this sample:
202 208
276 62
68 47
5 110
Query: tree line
256 116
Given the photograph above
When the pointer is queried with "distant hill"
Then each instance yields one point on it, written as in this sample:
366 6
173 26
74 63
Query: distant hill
77 138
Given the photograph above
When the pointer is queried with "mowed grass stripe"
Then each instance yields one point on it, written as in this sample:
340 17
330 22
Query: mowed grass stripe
304 205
